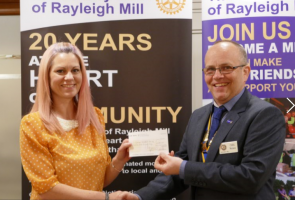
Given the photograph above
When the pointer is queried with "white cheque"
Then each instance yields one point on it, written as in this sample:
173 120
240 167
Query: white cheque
148 143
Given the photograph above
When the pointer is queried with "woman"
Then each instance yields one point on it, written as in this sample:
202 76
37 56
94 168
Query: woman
63 145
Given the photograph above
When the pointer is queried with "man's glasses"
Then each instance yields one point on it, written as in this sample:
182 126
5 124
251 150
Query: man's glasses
210 71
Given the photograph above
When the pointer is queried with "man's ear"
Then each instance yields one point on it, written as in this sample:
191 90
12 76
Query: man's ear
246 72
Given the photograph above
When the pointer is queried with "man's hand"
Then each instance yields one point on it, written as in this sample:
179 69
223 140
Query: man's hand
167 164
123 195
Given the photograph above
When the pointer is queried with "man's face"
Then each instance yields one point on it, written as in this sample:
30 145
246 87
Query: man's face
225 86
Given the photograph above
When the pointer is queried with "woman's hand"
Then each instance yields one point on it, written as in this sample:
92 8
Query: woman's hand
118 162
122 155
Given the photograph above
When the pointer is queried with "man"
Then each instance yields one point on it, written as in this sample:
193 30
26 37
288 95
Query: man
292 160
292 192
239 160
282 195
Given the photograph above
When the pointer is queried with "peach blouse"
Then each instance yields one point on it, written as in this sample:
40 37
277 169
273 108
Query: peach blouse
78 160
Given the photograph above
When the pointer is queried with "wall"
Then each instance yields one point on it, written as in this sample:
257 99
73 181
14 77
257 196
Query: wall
10 108
197 58
10 101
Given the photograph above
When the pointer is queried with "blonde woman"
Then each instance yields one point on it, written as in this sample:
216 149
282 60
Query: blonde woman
64 151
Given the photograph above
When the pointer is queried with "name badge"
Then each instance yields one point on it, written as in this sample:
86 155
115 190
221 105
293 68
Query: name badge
228 147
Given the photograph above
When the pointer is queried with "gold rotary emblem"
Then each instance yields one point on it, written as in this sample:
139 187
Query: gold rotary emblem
171 6
223 147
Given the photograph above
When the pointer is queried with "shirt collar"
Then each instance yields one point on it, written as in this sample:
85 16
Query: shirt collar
230 104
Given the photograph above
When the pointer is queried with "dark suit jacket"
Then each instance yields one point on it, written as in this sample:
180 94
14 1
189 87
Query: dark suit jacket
259 129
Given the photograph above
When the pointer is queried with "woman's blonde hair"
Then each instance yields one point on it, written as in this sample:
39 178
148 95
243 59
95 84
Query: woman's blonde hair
43 103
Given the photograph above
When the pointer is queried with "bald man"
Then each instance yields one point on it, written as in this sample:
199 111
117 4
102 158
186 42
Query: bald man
231 147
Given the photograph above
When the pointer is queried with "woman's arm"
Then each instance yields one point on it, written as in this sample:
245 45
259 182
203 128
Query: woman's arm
62 191
118 162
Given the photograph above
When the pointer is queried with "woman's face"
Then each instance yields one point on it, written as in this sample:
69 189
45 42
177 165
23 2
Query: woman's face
65 77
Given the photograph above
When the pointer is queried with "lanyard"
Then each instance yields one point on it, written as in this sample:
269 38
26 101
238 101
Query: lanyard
205 144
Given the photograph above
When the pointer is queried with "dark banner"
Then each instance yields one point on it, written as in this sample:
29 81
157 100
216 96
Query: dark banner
139 73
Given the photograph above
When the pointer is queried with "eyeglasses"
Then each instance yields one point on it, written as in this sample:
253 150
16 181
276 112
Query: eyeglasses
210 71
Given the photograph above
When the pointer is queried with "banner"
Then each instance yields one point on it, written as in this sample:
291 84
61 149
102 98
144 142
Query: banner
138 59
266 30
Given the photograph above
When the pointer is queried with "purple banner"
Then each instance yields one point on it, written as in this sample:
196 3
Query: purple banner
270 46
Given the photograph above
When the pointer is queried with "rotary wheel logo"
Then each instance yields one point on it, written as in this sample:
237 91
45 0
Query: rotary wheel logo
223 147
171 6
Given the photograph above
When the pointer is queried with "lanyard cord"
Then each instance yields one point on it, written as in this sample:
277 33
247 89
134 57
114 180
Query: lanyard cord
206 136
205 148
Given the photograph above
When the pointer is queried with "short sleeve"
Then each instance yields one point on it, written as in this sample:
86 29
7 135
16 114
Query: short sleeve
100 117
101 120
36 158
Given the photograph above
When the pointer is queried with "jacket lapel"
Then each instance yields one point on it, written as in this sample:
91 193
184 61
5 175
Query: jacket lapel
199 130
230 120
